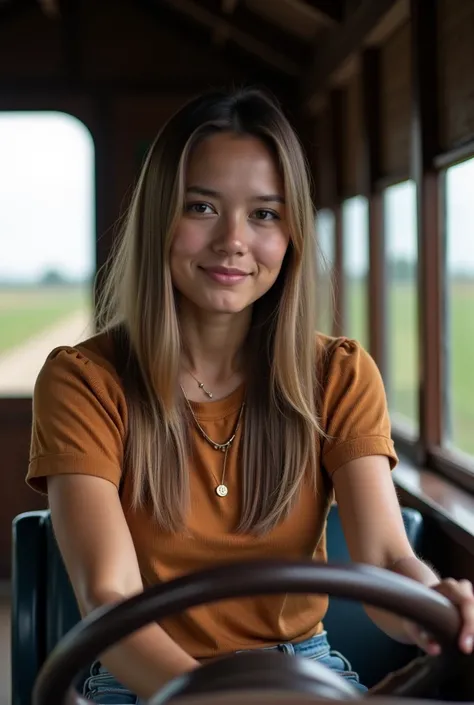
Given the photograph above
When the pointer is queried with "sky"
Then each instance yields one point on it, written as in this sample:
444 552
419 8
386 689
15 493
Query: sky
47 205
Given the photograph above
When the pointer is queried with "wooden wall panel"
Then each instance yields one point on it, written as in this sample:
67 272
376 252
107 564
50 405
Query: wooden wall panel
456 71
324 163
137 46
15 432
353 156
137 121
396 92
30 45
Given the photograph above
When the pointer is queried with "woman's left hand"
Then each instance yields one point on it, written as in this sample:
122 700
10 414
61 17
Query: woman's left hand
460 593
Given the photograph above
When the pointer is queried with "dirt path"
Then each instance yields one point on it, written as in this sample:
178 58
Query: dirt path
19 366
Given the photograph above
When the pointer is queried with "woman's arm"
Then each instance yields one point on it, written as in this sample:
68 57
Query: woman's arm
102 564
375 534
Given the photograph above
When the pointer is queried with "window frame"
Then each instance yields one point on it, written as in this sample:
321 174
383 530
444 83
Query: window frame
427 170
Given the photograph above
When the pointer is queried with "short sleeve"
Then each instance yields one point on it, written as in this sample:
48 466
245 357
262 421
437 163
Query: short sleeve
78 421
354 408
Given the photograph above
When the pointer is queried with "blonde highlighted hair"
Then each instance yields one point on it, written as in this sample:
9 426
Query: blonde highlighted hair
138 306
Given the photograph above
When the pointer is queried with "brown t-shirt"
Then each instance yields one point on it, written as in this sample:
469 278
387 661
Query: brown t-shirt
79 426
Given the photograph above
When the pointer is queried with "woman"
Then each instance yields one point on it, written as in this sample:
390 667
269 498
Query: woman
207 422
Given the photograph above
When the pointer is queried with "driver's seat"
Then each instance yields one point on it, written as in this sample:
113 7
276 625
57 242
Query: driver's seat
371 652
44 608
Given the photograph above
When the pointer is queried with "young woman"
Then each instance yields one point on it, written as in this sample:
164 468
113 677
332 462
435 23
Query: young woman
208 422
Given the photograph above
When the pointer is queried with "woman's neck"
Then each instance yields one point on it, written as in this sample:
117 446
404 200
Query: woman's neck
213 344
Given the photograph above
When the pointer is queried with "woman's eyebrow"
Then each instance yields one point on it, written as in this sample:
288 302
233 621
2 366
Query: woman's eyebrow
271 198
203 191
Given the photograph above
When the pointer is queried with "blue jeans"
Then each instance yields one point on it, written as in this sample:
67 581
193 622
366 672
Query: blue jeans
102 687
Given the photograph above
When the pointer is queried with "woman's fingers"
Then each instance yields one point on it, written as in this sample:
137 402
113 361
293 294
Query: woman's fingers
461 594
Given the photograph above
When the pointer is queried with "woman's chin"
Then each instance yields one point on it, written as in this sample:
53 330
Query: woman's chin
225 306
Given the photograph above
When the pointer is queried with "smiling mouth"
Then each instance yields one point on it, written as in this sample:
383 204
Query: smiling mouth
225 275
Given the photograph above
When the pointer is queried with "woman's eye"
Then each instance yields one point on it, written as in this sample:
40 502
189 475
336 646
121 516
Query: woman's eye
264 214
201 208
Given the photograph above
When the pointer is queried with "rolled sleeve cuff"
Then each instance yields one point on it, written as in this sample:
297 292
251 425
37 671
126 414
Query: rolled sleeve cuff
356 448
42 467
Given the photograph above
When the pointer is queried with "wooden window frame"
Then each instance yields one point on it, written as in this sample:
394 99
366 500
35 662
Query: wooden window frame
430 164
427 171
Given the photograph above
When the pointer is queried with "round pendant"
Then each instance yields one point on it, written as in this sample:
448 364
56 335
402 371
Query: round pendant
221 491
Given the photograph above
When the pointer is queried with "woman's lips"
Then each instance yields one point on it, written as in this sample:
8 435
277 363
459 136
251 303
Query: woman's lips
224 275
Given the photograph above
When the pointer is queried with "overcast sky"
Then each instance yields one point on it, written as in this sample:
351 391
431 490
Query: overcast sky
47 204
46 196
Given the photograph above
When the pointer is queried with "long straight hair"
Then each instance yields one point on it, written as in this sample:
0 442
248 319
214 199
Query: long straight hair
281 428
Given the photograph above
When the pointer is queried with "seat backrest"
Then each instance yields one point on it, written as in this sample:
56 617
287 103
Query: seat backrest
371 652
44 608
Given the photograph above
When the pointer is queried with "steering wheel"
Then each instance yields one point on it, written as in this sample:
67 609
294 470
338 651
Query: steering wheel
259 673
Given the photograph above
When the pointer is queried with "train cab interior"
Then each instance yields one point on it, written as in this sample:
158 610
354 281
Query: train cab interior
381 93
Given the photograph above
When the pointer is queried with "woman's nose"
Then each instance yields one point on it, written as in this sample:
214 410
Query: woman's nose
232 237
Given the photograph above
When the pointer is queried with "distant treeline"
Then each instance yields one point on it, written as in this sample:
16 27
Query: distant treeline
405 271
401 270
48 279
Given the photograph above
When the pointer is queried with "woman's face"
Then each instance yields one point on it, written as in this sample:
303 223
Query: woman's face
230 242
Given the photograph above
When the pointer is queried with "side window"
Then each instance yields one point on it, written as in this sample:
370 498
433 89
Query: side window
401 259
356 269
326 259
47 241
459 308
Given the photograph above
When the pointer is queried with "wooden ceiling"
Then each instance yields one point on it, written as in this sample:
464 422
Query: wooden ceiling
301 41
278 33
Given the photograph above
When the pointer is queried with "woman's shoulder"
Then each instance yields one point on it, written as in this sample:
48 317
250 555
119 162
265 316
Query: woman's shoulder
91 362
353 405
98 351
79 414
346 372
340 354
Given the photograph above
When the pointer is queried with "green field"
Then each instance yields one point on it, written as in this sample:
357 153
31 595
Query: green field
24 312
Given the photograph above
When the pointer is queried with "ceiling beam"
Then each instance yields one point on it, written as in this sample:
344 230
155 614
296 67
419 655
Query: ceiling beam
341 43
307 9
229 6
328 9
219 36
217 23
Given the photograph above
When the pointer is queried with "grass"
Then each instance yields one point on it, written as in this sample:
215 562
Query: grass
25 312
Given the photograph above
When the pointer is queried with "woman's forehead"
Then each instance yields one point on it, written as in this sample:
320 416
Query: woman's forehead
229 161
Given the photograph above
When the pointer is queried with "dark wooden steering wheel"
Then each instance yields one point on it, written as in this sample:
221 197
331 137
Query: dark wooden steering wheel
259 674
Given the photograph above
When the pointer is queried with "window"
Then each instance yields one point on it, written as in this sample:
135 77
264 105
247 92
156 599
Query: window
402 304
46 241
326 256
356 269
459 277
